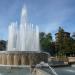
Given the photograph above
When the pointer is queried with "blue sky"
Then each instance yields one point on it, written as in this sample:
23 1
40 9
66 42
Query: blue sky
47 14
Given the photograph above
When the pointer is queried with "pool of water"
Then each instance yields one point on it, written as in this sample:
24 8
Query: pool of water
60 71
27 71
65 71
15 71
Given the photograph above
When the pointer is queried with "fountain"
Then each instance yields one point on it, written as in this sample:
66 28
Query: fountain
26 38
23 44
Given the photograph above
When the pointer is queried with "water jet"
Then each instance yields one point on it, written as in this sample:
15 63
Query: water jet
23 44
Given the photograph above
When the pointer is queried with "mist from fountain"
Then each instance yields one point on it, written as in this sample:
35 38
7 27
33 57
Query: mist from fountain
24 38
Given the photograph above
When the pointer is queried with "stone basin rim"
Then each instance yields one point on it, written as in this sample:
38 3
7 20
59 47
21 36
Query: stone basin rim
22 52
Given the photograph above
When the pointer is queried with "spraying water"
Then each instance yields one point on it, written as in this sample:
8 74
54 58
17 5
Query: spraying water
54 72
24 38
43 64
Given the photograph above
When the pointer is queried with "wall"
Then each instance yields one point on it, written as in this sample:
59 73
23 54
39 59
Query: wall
22 58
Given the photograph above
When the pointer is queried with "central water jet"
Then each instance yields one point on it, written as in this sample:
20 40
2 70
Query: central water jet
24 38
23 44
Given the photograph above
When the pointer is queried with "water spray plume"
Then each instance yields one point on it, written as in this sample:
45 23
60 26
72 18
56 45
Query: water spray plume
26 38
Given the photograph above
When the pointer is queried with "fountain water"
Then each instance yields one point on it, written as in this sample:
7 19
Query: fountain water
46 65
23 44
26 38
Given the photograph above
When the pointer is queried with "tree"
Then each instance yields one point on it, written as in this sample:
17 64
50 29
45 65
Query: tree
2 45
73 35
63 41
73 42
52 47
45 41
60 29
59 38
42 35
67 43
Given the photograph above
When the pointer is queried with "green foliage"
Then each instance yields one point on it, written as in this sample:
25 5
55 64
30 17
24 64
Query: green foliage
59 40
61 30
64 43
2 45
45 41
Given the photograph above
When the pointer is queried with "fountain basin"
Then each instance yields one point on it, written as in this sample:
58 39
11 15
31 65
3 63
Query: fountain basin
22 57
14 71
